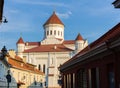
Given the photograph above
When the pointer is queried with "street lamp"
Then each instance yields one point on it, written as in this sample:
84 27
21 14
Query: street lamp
4 20
8 77
3 52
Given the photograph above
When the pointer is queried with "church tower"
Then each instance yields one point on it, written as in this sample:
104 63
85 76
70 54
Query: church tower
20 47
80 43
49 53
53 30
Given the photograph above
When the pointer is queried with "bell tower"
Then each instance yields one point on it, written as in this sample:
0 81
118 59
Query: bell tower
53 30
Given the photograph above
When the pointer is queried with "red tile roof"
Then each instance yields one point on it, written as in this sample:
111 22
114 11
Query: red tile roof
79 37
49 48
32 43
69 42
20 41
53 20
38 43
111 34
18 63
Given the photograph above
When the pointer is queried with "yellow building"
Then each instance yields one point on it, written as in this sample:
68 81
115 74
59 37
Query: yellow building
24 75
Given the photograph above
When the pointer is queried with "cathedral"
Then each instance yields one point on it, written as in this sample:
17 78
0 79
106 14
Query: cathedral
52 51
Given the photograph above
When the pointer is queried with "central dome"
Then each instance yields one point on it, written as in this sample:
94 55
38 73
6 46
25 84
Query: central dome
53 20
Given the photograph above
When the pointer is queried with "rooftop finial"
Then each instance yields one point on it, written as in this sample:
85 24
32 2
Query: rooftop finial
20 34
54 12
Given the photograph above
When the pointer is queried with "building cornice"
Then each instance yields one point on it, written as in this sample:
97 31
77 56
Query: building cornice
99 51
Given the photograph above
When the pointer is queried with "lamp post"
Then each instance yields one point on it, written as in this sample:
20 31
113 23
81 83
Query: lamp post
8 77
4 52
4 20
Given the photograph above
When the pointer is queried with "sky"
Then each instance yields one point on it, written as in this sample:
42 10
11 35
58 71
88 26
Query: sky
90 18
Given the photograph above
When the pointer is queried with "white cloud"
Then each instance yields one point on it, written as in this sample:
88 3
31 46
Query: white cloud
40 3
64 15
13 11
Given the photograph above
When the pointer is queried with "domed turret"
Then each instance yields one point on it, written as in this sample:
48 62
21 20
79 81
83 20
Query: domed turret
54 19
80 43
20 46
54 29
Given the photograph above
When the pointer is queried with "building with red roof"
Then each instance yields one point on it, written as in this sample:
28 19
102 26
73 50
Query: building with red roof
23 74
49 53
97 65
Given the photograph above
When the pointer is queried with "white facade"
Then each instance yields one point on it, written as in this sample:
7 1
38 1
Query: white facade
52 51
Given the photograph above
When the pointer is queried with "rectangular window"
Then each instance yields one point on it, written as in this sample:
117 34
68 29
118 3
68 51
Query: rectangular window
39 67
55 32
111 76
50 32
44 68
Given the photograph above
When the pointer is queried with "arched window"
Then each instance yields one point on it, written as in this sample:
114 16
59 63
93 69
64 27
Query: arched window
44 68
54 32
51 32
39 67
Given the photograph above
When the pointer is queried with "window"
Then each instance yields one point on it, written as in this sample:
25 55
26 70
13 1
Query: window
39 67
58 33
111 76
47 32
24 56
44 68
54 32
51 32
82 78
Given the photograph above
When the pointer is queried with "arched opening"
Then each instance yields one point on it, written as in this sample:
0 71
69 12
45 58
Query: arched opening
44 68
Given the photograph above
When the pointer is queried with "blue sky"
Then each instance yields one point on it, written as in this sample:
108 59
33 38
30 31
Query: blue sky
90 18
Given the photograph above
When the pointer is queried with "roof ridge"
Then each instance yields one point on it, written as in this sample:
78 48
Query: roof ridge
20 41
53 19
79 37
